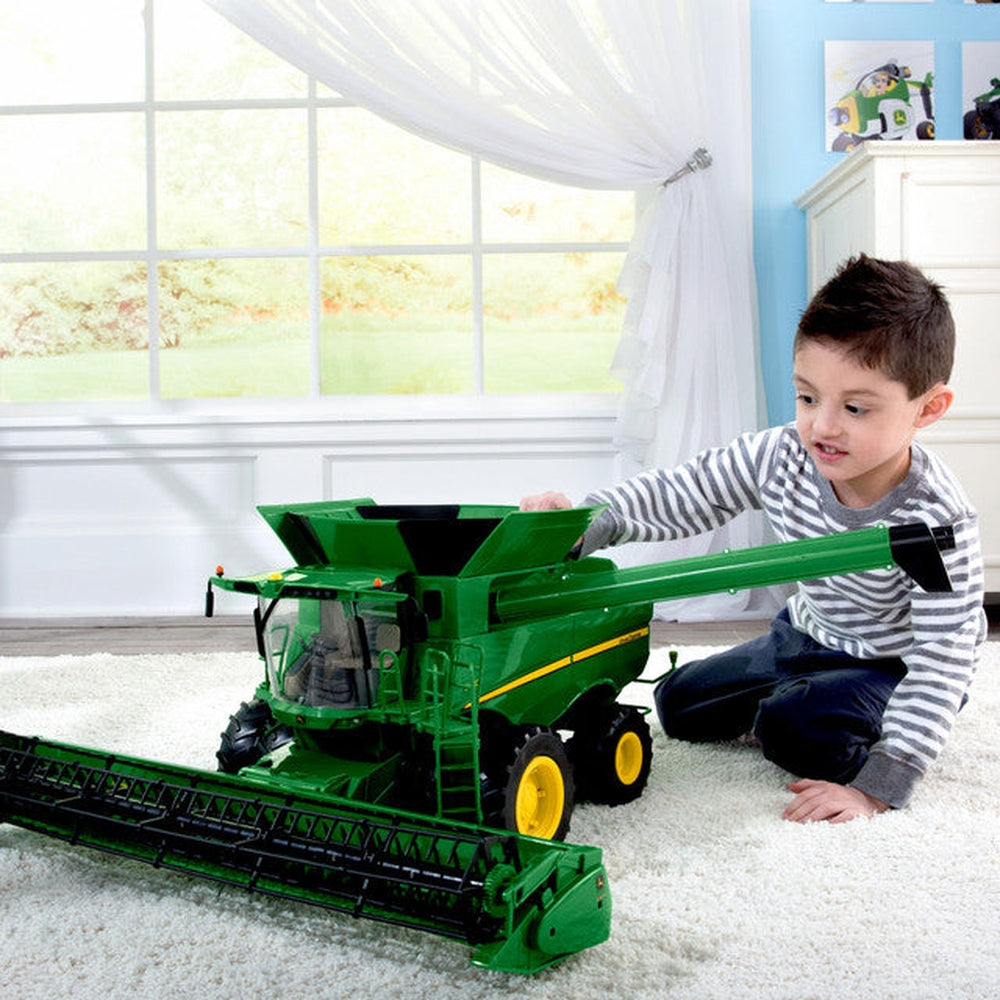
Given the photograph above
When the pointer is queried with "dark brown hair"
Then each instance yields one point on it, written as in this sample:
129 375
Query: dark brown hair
886 315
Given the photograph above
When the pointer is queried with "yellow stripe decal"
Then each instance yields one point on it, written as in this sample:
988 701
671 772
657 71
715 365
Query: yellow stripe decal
551 668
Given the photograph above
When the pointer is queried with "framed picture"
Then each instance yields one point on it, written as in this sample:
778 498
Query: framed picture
878 92
981 90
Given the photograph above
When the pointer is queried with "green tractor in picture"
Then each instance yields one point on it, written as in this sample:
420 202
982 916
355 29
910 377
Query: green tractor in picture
879 108
983 122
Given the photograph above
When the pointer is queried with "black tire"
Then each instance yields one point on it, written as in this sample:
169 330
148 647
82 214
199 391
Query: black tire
844 142
974 126
251 733
612 756
533 792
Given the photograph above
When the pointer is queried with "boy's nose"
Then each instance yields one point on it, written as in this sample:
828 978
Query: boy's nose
826 422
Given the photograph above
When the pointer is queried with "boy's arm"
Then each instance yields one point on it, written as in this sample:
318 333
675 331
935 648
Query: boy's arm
666 504
947 631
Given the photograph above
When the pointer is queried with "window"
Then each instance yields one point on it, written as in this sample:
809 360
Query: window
188 217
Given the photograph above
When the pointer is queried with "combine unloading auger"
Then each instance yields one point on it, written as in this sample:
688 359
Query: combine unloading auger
404 759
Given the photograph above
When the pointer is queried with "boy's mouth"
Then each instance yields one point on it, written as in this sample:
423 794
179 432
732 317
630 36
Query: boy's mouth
828 452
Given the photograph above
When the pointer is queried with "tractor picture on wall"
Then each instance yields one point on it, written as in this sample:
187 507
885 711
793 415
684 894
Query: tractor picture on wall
983 121
880 107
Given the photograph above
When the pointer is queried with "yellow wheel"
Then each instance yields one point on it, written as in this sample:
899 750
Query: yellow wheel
611 755
540 799
630 757
537 797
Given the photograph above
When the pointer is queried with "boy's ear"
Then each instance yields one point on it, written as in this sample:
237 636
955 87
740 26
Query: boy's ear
935 405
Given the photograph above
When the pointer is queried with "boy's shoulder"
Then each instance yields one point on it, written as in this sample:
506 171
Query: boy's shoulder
931 477
778 446
774 455
783 438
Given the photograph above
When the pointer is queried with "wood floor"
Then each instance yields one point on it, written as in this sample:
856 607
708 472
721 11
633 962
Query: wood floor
129 636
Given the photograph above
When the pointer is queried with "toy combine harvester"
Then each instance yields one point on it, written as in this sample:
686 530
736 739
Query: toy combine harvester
440 685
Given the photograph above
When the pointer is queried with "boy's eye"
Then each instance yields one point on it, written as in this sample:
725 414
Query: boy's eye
855 410
805 399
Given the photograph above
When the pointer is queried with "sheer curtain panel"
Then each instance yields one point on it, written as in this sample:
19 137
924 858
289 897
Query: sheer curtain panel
613 94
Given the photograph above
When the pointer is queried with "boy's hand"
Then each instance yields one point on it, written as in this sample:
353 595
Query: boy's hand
816 801
550 500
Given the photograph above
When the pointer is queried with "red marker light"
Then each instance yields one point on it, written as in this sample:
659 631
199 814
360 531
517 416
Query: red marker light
378 581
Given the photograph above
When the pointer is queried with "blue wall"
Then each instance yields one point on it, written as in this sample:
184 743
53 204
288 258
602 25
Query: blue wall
788 139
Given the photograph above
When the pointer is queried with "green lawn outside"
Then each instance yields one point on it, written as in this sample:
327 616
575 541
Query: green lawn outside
271 358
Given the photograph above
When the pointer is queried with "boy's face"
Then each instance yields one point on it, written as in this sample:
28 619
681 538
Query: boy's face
857 423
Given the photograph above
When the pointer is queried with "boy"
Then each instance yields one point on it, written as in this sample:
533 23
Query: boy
859 680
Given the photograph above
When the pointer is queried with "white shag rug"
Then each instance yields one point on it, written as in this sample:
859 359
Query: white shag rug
714 895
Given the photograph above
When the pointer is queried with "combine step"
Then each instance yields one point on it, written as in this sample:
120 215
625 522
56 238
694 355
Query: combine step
524 904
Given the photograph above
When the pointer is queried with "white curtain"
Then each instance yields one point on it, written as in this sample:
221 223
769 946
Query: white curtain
613 94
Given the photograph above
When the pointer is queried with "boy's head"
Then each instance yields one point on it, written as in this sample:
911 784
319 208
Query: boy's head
885 315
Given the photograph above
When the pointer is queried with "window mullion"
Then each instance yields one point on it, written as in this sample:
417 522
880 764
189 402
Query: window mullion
478 346
152 260
315 277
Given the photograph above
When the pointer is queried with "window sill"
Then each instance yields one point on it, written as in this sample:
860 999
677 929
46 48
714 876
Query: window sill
328 410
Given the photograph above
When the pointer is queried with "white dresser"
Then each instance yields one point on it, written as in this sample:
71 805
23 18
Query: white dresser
937 205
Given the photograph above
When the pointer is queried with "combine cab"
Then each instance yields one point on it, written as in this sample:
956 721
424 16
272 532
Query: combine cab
441 685
397 672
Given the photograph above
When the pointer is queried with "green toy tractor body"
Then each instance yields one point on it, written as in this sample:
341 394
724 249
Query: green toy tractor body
440 685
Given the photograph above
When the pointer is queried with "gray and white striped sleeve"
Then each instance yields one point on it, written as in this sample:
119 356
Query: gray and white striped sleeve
666 504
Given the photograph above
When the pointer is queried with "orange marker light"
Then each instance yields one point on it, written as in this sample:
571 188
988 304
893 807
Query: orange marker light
378 582
219 571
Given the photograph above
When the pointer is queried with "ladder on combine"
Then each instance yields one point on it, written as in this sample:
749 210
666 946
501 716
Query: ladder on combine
450 685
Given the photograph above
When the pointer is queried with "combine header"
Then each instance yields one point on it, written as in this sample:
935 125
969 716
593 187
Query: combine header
440 687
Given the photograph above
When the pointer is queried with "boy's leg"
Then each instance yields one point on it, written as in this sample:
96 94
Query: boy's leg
716 698
816 712
822 724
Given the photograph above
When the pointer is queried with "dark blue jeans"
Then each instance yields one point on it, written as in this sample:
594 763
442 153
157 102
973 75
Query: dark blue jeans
815 712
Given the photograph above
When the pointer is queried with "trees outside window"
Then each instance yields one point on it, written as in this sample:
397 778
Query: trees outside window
185 216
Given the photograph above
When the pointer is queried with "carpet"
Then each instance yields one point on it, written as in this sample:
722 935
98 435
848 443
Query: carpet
714 895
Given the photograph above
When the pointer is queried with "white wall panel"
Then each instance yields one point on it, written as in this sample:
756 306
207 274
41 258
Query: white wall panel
975 306
460 475
128 514
211 490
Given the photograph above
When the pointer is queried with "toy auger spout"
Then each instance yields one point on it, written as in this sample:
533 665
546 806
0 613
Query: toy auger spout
915 548
440 685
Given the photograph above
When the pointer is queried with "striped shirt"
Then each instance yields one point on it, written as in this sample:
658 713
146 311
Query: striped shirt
879 613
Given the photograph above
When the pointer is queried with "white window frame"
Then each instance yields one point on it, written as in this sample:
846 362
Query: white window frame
460 404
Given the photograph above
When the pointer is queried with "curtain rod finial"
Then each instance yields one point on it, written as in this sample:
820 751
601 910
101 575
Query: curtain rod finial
700 159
